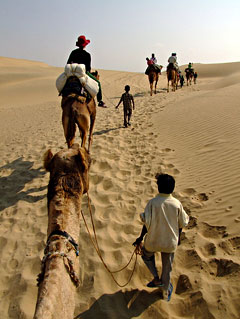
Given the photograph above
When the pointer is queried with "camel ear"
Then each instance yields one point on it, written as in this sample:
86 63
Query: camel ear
83 157
47 157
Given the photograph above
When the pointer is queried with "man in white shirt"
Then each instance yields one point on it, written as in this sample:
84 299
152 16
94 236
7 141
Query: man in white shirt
163 219
158 67
153 59
173 59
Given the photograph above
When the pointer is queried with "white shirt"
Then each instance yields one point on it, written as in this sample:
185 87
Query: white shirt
154 60
163 216
172 59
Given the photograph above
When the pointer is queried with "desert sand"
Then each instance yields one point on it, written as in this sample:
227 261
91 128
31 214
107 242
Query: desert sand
193 134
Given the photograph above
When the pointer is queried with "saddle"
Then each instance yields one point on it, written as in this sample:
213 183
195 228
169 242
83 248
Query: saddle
190 71
171 66
73 86
152 67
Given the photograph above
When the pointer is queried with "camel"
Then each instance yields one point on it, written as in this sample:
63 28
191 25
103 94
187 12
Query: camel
189 76
81 111
153 75
60 265
172 76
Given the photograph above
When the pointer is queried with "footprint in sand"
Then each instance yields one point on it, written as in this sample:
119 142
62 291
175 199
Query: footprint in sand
96 179
192 222
191 259
231 246
237 220
210 249
224 267
107 184
183 284
194 196
167 150
214 231
13 264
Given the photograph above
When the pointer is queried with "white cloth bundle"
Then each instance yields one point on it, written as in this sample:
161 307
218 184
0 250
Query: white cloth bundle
79 71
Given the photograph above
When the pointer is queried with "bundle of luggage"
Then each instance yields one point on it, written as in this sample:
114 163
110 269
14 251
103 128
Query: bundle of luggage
74 80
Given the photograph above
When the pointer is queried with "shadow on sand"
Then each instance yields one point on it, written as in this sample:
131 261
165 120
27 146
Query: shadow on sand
130 303
12 185
107 130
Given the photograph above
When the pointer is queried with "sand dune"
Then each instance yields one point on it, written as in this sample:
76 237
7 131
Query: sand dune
193 134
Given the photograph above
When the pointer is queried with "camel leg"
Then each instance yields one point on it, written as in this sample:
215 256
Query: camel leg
168 87
155 88
68 121
83 124
84 139
65 123
92 121
151 88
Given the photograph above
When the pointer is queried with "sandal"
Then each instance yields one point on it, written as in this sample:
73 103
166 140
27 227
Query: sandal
152 284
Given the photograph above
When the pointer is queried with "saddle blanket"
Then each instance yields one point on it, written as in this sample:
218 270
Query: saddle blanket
79 71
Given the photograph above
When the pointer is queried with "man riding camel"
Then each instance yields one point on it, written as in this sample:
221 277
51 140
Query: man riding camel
190 68
152 63
173 62
81 56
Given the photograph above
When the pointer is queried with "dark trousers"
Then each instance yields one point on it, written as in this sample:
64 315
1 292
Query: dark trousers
99 95
167 261
127 113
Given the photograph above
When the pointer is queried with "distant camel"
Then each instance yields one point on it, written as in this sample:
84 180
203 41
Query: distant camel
171 76
189 76
81 111
60 265
153 75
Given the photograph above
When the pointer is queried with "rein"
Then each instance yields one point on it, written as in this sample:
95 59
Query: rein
137 250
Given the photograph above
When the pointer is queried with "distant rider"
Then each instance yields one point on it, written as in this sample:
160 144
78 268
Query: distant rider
173 60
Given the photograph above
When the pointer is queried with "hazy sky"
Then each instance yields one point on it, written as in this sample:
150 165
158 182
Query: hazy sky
122 33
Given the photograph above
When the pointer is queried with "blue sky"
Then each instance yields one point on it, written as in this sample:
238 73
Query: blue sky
122 33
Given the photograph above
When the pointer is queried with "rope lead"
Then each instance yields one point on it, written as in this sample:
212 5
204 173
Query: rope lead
137 250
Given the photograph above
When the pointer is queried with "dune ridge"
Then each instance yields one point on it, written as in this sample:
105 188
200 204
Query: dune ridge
192 134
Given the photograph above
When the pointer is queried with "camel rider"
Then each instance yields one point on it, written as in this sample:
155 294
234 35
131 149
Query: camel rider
153 59
149 64
190 68
173 59
81 56
149 61
157 67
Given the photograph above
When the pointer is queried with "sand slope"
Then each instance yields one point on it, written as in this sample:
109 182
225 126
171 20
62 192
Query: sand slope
192 134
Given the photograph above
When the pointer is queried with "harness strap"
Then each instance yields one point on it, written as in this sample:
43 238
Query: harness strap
67 236
68 266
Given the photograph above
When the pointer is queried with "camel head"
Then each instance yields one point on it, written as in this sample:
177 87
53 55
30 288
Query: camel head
69 162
